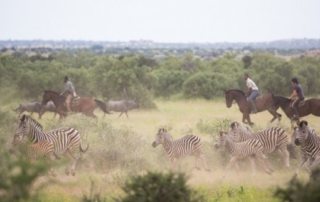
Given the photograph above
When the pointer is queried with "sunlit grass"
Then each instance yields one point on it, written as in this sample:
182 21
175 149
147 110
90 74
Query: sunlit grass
180 117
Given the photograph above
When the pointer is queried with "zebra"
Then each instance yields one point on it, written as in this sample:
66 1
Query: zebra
309 143
250 148
66 141
272 139
188 145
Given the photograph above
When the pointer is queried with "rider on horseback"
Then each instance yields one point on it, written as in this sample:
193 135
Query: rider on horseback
70 91
297 96
253 92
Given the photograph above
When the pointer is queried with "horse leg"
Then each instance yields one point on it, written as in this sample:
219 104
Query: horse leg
127 114
249 120
274 114
243 118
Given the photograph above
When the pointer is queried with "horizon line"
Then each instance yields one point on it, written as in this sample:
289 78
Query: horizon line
155 41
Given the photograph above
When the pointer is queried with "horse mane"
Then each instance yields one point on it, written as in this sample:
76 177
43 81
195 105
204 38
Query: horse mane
236 90
51 91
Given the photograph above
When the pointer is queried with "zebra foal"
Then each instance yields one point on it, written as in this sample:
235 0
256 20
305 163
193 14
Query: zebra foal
66 141
34 151
188 145
251 148
272 139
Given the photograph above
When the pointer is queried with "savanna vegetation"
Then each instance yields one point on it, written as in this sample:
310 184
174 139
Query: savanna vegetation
143 79
182 94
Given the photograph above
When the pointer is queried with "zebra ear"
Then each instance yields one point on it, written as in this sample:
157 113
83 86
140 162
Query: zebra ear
303 124
221 133
234 125
23 117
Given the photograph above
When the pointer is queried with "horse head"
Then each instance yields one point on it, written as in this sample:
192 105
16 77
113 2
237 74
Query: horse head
229 98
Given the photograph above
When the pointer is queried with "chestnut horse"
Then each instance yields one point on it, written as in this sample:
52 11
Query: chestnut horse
264 102
310 106
85 105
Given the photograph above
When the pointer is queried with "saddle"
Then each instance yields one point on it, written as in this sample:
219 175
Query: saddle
75 101
301 103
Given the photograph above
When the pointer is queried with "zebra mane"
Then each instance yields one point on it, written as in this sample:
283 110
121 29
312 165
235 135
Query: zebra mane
165 134
32 122
241 127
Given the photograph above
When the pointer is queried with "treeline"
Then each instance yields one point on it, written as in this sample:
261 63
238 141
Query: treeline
141 78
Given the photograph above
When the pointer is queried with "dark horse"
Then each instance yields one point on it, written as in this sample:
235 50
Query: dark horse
85 105
263 103
310 106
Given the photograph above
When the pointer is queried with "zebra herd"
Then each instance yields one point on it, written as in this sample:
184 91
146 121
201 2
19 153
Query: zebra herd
240 141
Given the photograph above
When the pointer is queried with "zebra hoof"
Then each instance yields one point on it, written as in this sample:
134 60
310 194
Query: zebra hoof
67 172
208 169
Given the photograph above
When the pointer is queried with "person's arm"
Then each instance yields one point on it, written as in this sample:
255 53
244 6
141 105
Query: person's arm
294 94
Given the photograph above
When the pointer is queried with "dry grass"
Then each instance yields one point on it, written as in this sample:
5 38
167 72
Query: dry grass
120 147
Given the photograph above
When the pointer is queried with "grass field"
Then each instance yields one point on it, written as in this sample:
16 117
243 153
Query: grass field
121 147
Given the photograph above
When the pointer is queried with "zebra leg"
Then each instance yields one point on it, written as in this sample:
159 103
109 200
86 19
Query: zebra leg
231 163
285 155
74 164
71 157
253 165
204 162
261 160
304 160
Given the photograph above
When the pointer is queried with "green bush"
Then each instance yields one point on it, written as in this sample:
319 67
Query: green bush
206 85
297 191
159 187
17 176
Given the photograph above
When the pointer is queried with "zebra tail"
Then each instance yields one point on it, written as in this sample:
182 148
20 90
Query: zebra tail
102 106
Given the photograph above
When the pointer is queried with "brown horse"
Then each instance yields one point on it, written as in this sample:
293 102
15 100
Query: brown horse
310 106
85 105
263 103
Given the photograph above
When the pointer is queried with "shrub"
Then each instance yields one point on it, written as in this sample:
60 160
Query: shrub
17 176
297 191
159 187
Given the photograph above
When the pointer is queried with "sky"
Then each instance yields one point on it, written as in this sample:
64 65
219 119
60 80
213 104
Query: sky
160 20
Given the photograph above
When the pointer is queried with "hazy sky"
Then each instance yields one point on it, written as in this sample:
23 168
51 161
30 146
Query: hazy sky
160 20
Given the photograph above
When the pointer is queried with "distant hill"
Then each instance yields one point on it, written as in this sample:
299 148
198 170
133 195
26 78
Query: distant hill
287 44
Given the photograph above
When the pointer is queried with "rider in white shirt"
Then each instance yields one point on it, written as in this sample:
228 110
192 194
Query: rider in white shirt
253 90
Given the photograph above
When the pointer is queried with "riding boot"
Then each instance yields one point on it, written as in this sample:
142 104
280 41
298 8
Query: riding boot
253 105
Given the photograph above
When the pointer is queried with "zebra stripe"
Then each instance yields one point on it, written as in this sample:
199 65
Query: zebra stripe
176 149
40 150
250 148
309 143
64 140
272 139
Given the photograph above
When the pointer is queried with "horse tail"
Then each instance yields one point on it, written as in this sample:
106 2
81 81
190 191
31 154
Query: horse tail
102 106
